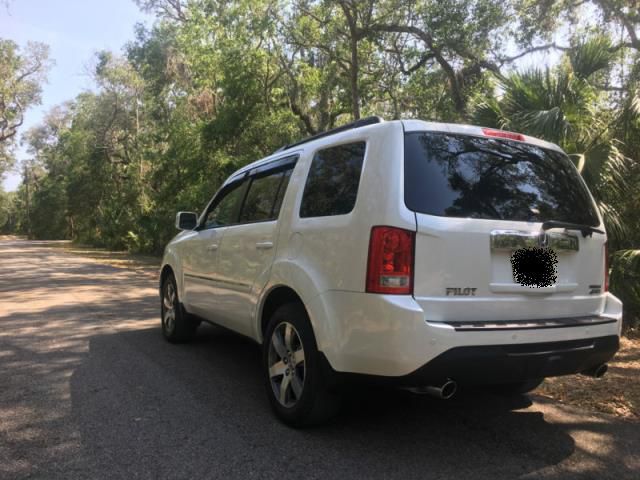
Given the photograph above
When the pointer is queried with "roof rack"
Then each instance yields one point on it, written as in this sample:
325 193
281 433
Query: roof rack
349 126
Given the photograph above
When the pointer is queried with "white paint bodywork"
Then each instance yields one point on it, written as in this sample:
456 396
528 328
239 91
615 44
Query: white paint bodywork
324 260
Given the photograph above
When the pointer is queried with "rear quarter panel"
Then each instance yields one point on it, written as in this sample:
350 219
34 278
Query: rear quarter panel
320 254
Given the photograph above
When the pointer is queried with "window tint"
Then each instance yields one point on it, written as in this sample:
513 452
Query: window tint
464 176
225 209
263 200
332 184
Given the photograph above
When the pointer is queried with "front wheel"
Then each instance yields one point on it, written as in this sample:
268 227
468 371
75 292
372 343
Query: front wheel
295 383
177 325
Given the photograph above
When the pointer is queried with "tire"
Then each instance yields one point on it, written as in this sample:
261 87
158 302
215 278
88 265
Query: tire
518 388
288 340
177 325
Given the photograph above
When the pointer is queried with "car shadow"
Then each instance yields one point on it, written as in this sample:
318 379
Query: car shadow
145 396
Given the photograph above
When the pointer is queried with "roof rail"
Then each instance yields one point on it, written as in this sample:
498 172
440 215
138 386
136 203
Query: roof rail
349 126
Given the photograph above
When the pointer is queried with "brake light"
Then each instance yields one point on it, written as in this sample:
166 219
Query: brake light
490 132
606 267
390 264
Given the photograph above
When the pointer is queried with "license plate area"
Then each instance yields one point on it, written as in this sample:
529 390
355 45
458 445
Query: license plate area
534 267
531 258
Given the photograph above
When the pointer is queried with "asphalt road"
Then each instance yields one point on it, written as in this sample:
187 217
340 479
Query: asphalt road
89 389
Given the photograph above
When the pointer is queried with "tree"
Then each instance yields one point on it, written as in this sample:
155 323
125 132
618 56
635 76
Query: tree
7 212
213 85
21 78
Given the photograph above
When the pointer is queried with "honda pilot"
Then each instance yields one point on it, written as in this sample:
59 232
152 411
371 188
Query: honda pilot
422 255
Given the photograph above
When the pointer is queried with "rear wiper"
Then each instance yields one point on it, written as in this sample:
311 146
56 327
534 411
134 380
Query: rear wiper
586 230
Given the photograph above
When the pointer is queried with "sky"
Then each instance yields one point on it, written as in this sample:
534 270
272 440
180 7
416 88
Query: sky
74 30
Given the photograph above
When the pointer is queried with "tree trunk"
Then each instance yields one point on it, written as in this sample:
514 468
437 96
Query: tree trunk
355 72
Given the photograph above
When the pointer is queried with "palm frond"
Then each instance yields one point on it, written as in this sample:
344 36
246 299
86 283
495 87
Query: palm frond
533 103
549 124
613 175
591 55
488 113
616 229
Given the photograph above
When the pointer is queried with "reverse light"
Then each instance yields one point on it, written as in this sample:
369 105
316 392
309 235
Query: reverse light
490 132
390 263
606 267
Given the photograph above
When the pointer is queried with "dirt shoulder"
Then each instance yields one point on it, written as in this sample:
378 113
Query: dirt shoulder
617 393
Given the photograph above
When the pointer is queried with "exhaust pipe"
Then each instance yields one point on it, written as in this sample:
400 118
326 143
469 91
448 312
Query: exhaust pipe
596 372
444 391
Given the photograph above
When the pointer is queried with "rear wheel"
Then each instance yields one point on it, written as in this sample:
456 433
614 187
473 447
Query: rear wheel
177 325
295 383
518 388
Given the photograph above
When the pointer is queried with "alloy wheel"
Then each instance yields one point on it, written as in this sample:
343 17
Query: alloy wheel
286 364
169 307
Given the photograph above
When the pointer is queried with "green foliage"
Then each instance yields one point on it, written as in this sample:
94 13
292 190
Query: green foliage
565 105
7 212
214 85
21 76
625 284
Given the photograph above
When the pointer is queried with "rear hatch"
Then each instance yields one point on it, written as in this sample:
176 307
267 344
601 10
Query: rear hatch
487 247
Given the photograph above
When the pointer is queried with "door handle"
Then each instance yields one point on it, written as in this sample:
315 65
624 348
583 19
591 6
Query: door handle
264 245
213 247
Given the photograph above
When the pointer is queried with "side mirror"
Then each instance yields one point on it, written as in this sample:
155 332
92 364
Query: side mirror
186 220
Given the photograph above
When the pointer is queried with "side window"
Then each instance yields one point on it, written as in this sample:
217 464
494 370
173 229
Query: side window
265 196
332 184
225 210
281 191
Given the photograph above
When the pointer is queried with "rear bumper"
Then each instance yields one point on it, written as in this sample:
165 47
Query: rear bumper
389 336
499 364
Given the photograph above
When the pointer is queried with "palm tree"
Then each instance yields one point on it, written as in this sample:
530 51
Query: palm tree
564 105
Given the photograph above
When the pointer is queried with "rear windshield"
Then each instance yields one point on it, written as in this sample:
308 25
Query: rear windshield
479 177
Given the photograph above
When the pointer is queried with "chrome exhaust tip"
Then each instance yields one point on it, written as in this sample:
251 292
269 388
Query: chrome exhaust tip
445 391
597 372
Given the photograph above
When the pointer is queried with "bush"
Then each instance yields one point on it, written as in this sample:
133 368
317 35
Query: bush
625 284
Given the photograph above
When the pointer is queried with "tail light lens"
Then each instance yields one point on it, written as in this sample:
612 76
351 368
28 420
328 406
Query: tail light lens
606 267
390 264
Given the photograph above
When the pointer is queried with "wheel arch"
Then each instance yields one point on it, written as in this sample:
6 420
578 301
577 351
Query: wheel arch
273 298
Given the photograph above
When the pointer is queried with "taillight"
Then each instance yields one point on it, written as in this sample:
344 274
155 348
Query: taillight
390 265
490 132
606 267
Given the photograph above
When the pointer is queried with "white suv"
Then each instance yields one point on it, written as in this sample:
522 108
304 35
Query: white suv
411 253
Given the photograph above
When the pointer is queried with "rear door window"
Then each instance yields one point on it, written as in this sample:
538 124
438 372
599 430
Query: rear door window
263 199
266 191
455 175
332 183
